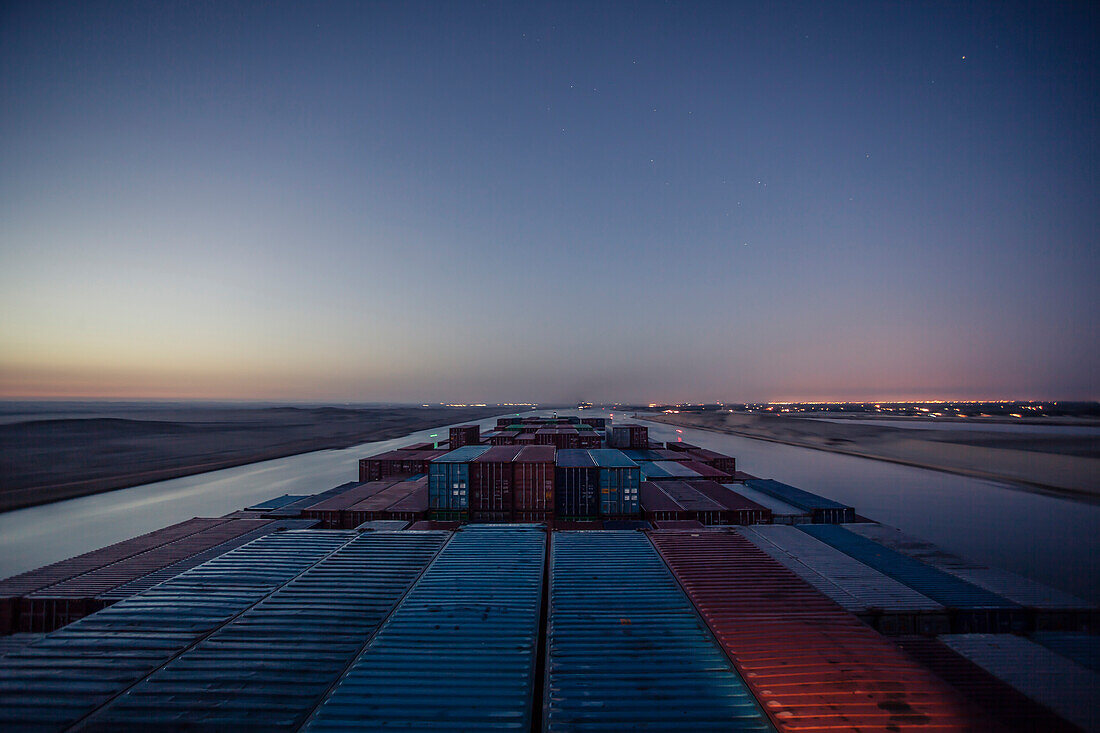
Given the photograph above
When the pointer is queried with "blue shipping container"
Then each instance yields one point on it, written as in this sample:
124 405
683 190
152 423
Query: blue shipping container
55 682
973 609
459 651
449 478
626 649
271 666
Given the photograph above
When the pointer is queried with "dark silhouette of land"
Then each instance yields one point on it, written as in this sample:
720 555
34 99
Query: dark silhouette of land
52 459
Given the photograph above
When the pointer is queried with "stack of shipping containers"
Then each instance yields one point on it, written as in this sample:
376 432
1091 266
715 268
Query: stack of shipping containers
820 509
625 650
56 681
881 601
811 664
464 435
459 651
576 485
491 476
620 483
972 608
449 482
1049 608
269 667
533 483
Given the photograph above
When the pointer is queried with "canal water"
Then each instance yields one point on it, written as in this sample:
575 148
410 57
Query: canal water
1049 539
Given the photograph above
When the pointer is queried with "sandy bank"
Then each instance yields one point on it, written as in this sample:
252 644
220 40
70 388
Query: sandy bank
1070 470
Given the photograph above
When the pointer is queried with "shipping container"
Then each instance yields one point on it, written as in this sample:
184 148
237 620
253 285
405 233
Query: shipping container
880 601
625 650
449 479
576 485
599 423
463 435
719 461
638 455
621 523
13 589
148 581
430 524
459 651
782 512
504 437
688 524
67 675
377 506
383 525
412 507
679 445
1051 609
276 503
629 436
419 447
62 603
620 482
491 476
972 608
1067 688
589 440
330 511
820 509
294 509
707 472
656 505
533 480
1012 710
270 667
668 471
811 664
739 510
396 462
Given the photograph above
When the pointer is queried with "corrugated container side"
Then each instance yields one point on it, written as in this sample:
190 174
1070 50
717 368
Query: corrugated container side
1053 609
1055 682
659 506
379 506
533 480
62 603
620 483
55 682
709 473
459 651
782 512
881 601
701 507
491 483
148 581
812 665
1010 708
972 608
464 435
330 511
625 650
270 667
738 509
822 510
576 485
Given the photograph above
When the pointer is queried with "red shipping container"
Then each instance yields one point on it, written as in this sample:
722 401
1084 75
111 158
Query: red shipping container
533 479
812 665
464 435
329 511
491 476
739 509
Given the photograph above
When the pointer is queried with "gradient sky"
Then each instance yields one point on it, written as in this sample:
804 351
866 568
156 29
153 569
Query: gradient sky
498 201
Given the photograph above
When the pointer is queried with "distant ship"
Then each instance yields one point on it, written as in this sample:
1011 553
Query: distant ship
583 405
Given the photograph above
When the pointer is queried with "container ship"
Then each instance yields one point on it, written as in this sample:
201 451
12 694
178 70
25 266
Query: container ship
557 574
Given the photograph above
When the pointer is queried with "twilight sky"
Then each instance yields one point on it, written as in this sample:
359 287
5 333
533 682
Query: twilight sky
510 201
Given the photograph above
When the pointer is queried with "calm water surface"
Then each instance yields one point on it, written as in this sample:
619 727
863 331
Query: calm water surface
1052 540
